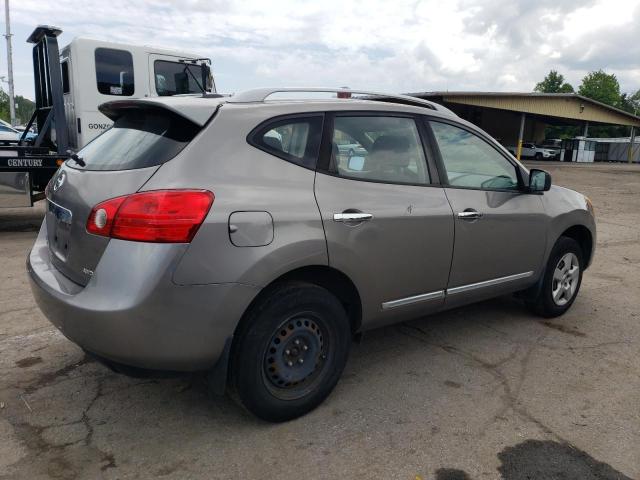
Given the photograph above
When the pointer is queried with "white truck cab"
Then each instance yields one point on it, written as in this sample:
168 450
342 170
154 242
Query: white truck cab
95 71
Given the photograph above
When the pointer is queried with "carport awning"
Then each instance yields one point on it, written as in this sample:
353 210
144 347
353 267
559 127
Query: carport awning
558 105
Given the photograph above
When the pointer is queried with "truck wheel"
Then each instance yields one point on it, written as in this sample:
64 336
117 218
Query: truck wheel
561 280
290 352
538 156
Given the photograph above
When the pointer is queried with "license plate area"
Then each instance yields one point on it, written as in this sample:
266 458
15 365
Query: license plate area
60 234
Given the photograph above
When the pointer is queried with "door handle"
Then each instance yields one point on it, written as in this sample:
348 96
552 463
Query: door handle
469 214
352 217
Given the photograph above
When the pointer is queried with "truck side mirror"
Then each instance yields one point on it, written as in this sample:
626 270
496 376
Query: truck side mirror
539 180
207 78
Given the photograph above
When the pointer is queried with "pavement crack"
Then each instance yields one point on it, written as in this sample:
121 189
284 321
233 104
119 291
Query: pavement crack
511 395
85 414
50 378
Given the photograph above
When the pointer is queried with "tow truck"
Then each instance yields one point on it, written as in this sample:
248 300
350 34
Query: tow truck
69 85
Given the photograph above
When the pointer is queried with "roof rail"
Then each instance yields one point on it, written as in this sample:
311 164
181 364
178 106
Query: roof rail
261 94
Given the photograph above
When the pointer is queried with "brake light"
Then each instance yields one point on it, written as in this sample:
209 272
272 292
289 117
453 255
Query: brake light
161 216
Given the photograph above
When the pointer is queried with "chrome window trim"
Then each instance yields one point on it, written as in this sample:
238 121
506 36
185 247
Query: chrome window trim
488 283
401 302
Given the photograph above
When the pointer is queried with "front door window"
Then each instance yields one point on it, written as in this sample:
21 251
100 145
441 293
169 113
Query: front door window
471 162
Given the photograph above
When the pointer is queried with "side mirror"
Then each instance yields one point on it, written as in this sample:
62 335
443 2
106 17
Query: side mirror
539 180
207 77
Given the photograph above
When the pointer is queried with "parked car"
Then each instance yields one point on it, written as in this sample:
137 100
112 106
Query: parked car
212 246
531 150
351 149
8 135
553 144
11 135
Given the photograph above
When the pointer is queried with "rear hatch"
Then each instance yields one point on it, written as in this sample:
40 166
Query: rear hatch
119 162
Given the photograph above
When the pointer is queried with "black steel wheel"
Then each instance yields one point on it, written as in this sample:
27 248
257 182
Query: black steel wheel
295 356
289 351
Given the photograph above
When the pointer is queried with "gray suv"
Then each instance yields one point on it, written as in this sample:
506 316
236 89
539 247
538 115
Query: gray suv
232 235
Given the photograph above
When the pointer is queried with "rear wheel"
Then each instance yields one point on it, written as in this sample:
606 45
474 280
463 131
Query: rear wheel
290 352
561 281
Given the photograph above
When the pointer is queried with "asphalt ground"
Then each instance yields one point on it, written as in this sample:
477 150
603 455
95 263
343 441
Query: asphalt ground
487 391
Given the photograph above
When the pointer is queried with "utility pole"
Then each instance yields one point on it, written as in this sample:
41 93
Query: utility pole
7 35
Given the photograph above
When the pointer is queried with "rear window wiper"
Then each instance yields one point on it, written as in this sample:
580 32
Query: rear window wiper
76 158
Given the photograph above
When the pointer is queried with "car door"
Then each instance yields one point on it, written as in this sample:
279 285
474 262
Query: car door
388 225
500 229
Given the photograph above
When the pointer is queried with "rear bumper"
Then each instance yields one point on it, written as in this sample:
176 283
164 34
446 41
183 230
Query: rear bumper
131 312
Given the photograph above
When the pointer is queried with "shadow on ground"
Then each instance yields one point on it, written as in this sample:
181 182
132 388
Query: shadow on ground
548 460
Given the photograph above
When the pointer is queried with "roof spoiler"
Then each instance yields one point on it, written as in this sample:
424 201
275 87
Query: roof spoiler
198 114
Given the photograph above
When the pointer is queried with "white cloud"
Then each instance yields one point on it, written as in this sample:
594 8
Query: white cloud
397 46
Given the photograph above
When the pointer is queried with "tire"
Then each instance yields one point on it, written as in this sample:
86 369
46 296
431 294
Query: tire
554 297
538 156
291 350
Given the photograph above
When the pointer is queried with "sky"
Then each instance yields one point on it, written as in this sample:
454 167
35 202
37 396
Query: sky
393 46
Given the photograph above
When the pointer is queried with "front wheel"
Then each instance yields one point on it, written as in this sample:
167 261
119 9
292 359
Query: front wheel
561 281
290 351
538 156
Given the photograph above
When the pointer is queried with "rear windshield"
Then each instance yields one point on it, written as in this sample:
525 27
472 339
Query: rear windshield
138 139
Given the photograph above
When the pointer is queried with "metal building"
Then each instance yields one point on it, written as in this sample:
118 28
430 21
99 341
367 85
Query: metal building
616 149
516 117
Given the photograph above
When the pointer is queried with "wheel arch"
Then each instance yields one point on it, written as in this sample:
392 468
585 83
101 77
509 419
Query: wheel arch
582 235
324 276
332 279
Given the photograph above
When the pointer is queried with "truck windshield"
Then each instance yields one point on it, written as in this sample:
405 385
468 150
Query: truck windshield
138 139
175 78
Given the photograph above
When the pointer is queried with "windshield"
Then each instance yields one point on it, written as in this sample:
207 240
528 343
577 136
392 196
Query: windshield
177 78
138 139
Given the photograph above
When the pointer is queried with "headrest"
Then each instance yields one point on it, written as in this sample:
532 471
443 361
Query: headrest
390 143
273 142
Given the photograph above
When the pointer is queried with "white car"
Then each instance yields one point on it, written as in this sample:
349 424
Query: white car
530 150
8 134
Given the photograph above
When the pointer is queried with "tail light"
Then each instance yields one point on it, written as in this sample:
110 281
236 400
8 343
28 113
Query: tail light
162 216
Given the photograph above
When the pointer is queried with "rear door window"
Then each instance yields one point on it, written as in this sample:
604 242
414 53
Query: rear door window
296 140
175 78
138 139
114 72
378 148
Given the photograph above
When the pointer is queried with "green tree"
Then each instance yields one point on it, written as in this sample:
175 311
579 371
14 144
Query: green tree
630 102
24 108
602 87
4 105
553 83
